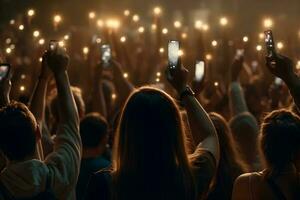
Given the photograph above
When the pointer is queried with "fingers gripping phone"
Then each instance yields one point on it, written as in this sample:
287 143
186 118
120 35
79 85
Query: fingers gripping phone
105 54
4 71
270 44
199 71
173 54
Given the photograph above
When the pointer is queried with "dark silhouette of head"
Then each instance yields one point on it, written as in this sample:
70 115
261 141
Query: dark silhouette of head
279 140
150 149
18 132
93 131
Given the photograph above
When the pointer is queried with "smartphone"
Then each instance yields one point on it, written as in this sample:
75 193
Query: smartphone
4 71
270 44
105 54
53 45
239 53
199 71
173 53
278 81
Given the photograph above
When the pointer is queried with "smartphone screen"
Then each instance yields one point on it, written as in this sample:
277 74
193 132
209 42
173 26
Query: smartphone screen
199 70
53 45
4 70
173 53
270 44
105 53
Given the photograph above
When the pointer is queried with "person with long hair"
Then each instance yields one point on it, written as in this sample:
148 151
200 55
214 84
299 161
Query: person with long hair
231 163
279 145
150 158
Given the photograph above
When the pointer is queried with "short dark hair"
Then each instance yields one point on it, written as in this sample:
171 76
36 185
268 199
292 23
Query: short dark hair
279 139
18 131
93 129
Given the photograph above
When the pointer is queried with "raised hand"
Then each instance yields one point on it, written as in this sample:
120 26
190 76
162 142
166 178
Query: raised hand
236 68
45 70
58 61
178 79
281 66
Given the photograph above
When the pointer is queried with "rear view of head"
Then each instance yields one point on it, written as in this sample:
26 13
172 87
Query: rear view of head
93 130
280 140
149 145
18 132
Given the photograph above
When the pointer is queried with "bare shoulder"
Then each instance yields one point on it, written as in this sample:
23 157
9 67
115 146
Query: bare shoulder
242 185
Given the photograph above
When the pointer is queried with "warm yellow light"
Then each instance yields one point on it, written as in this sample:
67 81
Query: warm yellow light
177 24
153 27
30 12
21 27
157 11
298 65
158 74
165 31
245 39
280 45
180 52
157 80
40 59
22 88
223 21
141 29
8 50
123 39
161 50
126 12
12 22
113 23
12 46
66 37
23 76
57 19
61 43
98 40
208 56
258 48
198 24
85 50
136 18
41 41
100 23
92 15
261 36
205 27
214 43
125 75
268 23
36 33
113 96
8 40
216 84
184 35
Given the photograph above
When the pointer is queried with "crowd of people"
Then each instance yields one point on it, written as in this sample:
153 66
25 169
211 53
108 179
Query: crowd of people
75 127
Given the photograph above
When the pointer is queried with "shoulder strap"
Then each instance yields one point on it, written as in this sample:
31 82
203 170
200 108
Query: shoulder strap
6 194
276 189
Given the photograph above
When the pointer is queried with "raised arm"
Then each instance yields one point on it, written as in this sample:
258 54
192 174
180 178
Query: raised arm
236 95
64 161
5 87
203 130
123 86
283 68
98 101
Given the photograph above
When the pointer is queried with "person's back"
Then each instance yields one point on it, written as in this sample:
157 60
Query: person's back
279 144
150 159
25 175
94 136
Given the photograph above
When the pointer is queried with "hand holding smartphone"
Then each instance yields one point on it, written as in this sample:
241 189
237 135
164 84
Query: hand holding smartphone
270 43
53 45
4 71
173 54
105 54
199 71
